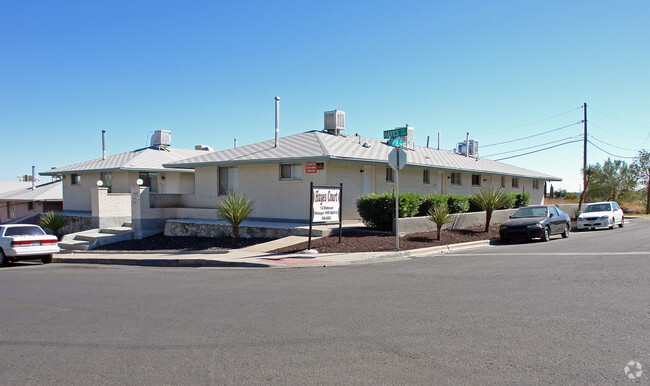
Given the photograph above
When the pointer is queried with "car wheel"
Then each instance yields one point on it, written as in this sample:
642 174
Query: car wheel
3 259
622 222
46 259
565 234
547 234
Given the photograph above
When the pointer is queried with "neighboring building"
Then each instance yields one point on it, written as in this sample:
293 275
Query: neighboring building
119 173
30 199
277 176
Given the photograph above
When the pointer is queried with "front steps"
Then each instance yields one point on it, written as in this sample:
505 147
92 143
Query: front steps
91 239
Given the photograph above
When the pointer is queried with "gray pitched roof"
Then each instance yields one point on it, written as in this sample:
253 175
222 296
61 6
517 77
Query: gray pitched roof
8 186
149 159
322 146
51 191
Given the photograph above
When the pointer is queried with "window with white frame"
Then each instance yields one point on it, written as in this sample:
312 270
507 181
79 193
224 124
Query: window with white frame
425 177
290 172
503 181
75 179
476 180
535 184
515 182
455 178
389 175
228 180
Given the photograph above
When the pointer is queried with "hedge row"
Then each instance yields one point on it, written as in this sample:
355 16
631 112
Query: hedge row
378 210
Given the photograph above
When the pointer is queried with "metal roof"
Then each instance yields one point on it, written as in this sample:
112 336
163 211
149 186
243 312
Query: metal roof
51 191
321 146
149 159
8 186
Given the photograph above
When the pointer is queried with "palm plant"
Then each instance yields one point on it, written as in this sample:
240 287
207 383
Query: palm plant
54 221
235 208
489 200
440 215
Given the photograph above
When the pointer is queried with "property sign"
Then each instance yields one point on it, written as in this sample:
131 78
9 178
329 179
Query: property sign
397 132
326 204
310 167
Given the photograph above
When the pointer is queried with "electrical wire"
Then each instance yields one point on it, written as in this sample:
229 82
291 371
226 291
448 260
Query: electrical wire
537 151
532 147
609 144
531 123
534 135
619 119
606 152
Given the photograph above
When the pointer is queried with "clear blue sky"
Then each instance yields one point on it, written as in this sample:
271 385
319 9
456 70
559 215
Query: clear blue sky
208 71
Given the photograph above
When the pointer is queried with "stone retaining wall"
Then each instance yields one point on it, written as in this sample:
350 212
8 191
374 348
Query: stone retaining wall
215 229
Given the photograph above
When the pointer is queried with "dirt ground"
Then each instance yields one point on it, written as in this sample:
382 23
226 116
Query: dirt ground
363 241
181 243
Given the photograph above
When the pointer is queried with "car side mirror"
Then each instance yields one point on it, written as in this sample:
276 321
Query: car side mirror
509 216
550 215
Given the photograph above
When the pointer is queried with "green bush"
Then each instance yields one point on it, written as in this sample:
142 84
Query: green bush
54 221
523 199
457 204
511 200
430 201
377 210
235 208
409 204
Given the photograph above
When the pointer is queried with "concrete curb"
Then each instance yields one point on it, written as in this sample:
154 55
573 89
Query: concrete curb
168 263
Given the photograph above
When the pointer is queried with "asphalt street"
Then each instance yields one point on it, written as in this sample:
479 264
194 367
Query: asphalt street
569 311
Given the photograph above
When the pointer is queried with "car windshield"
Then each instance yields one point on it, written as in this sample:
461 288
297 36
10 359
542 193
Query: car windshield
24 231
530 212
598 208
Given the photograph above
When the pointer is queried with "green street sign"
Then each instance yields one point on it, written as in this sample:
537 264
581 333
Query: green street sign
397 142
397 132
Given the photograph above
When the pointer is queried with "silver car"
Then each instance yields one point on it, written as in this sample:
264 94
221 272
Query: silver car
26 242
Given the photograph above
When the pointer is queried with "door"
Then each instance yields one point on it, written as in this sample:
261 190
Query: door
368 179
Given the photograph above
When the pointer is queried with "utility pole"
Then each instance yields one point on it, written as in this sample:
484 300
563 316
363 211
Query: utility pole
583 196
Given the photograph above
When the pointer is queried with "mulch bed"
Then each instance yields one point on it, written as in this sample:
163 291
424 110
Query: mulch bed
360 241
161 242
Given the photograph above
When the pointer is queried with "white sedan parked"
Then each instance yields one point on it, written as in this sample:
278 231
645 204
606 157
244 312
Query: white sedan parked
601 215
26 242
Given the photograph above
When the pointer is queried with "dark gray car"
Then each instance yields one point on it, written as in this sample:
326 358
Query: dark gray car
539 221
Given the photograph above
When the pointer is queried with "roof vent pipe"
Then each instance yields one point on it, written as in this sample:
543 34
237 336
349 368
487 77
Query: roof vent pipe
277 119
33 177
467 145
103 144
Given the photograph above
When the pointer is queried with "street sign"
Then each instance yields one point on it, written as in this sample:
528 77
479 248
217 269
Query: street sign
397 142
397 132
397 158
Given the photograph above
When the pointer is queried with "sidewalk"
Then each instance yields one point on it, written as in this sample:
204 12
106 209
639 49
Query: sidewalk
252 257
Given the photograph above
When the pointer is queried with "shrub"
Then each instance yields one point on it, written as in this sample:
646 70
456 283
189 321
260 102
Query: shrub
377 210
522 199
409 204
489 200
235 208
511 200
429 201
457 204
440 215
54 221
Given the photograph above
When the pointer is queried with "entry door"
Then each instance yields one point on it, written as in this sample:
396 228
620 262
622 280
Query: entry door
368 179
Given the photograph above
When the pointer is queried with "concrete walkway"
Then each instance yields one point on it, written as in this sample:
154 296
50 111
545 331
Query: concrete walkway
253 256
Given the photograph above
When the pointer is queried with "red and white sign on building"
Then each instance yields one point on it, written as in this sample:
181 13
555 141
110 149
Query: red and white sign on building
310 167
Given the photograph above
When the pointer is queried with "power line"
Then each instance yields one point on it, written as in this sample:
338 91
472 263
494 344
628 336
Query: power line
606 152
534 135
609 144
531 123
536 151
619 119
591 124
532 147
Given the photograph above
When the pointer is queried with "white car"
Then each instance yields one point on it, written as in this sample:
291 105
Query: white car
601 215
26 242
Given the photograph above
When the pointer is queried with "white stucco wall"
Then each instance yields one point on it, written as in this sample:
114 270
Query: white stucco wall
78 197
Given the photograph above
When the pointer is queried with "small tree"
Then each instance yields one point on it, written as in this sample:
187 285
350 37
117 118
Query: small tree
489 200
54 221
235 208
440 215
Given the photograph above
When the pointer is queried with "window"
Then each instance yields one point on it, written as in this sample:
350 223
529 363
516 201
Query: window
150 180
535 184
455 178
290 172
75 179
228 180
30 205
425 177
503 182
476 180
389 175
553 211
515 182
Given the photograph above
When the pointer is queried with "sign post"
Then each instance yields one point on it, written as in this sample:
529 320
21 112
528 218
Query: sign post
397 160
325 205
